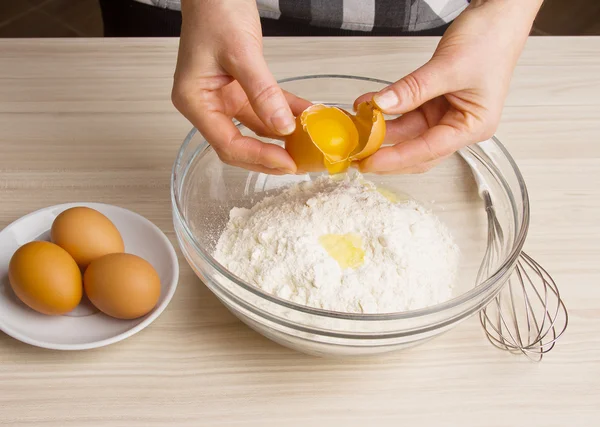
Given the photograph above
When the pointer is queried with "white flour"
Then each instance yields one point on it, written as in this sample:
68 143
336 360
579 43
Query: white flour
410 260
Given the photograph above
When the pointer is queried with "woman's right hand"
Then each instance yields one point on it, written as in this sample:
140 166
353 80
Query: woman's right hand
221 73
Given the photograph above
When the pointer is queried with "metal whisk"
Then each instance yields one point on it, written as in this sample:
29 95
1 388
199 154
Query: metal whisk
528 315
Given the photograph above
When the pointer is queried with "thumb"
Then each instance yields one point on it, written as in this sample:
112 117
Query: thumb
265 96
430 81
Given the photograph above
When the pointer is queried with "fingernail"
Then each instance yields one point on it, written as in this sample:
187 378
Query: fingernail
363 167
387 99
283 121
286 171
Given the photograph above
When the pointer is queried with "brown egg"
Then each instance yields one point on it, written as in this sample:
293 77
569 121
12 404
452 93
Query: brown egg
86 234
124 286
45 277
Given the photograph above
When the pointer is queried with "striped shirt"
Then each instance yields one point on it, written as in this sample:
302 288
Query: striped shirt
356 15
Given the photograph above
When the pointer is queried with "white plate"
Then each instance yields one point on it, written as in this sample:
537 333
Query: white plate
85 327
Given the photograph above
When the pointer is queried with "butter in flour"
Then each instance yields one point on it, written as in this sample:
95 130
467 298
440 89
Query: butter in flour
341 245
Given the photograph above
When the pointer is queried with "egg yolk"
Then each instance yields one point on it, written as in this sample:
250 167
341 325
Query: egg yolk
333 133
346 249
331 138
391 196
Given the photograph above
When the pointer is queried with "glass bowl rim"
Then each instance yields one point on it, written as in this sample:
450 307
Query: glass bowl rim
504 269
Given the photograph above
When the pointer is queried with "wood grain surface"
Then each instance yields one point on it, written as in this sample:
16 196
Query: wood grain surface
91 120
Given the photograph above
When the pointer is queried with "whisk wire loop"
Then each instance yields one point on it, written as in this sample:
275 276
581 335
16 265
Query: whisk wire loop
528 315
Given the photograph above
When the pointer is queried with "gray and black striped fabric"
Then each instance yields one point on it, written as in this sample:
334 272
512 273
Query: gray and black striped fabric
366 15
355 15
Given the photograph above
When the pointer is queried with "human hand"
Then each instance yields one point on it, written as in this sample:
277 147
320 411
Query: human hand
221 73
456 98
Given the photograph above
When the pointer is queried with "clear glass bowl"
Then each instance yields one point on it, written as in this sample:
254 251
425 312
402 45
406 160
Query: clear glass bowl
204 190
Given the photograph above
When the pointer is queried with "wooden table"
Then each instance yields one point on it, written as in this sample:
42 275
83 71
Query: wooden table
91 120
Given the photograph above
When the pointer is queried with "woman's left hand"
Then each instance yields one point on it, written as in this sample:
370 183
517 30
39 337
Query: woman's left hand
456 98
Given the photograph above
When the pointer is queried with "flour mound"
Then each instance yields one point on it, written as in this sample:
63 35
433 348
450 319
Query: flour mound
410 259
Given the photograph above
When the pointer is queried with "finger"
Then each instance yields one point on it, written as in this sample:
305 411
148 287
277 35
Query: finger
414 123
205 112
244 149
433 79
236 105
405 127
363 98
297 104
416 169
260 168
266 97
436 142
248 117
